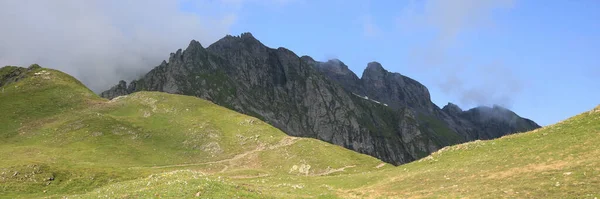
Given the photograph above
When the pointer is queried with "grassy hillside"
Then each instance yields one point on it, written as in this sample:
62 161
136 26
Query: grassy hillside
58 139
62 139
558 161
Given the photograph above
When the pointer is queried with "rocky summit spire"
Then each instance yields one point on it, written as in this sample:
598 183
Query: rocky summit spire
194 45
246 42
452 109
374 71
339 72
375 66
336 66
247 36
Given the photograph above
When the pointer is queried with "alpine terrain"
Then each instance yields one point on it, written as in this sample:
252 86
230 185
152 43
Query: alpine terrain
386 115
58 139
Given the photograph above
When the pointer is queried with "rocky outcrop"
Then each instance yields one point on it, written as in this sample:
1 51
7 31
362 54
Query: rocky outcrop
12 74
492 122
398 91
452 109
395 89
306 98
118 90
337 71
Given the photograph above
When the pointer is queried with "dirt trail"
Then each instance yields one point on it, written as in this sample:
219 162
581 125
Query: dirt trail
286 141
249 176
333 171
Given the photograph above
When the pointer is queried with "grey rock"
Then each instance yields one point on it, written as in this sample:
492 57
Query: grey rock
452 109
12 74
338 72
449 125
395 89
306 98
117 90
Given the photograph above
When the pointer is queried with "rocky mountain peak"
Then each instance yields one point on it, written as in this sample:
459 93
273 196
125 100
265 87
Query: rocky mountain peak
117 90
374 70
384 114
174 57
244 37
248 36
335 61
246 41
375 66
496 112
452 109
194 46
498 107
122 84
309 60
496 121
336 66
494 108
194 49
337 71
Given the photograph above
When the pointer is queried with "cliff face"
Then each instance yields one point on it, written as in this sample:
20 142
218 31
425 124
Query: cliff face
307 98
399 92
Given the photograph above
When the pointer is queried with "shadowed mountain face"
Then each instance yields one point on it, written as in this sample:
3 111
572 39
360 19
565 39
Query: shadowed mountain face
401 92
382 114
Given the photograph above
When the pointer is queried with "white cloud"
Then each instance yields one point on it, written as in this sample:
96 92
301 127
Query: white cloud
449 18
452 17
102 41
270 3
473 83
370 28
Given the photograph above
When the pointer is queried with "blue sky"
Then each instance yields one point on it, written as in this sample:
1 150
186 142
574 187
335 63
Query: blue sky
536 57
539 58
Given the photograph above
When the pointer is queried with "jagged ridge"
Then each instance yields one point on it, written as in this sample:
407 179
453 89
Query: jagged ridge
296 95
400 92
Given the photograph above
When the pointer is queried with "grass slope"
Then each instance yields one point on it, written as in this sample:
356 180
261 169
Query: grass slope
58 139
61 139
558 161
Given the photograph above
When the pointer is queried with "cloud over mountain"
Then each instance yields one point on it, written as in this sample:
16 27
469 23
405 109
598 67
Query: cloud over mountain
101 41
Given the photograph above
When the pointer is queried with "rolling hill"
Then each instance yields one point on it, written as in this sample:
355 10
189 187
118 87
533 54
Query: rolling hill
59 139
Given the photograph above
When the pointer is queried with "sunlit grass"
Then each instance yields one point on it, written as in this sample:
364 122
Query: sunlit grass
60 139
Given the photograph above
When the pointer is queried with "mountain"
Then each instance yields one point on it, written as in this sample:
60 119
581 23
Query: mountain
400 92
60 140
307 98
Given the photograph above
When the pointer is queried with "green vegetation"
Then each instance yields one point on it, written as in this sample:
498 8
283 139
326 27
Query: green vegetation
440 131
58 139
558 161
391 118
62 139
